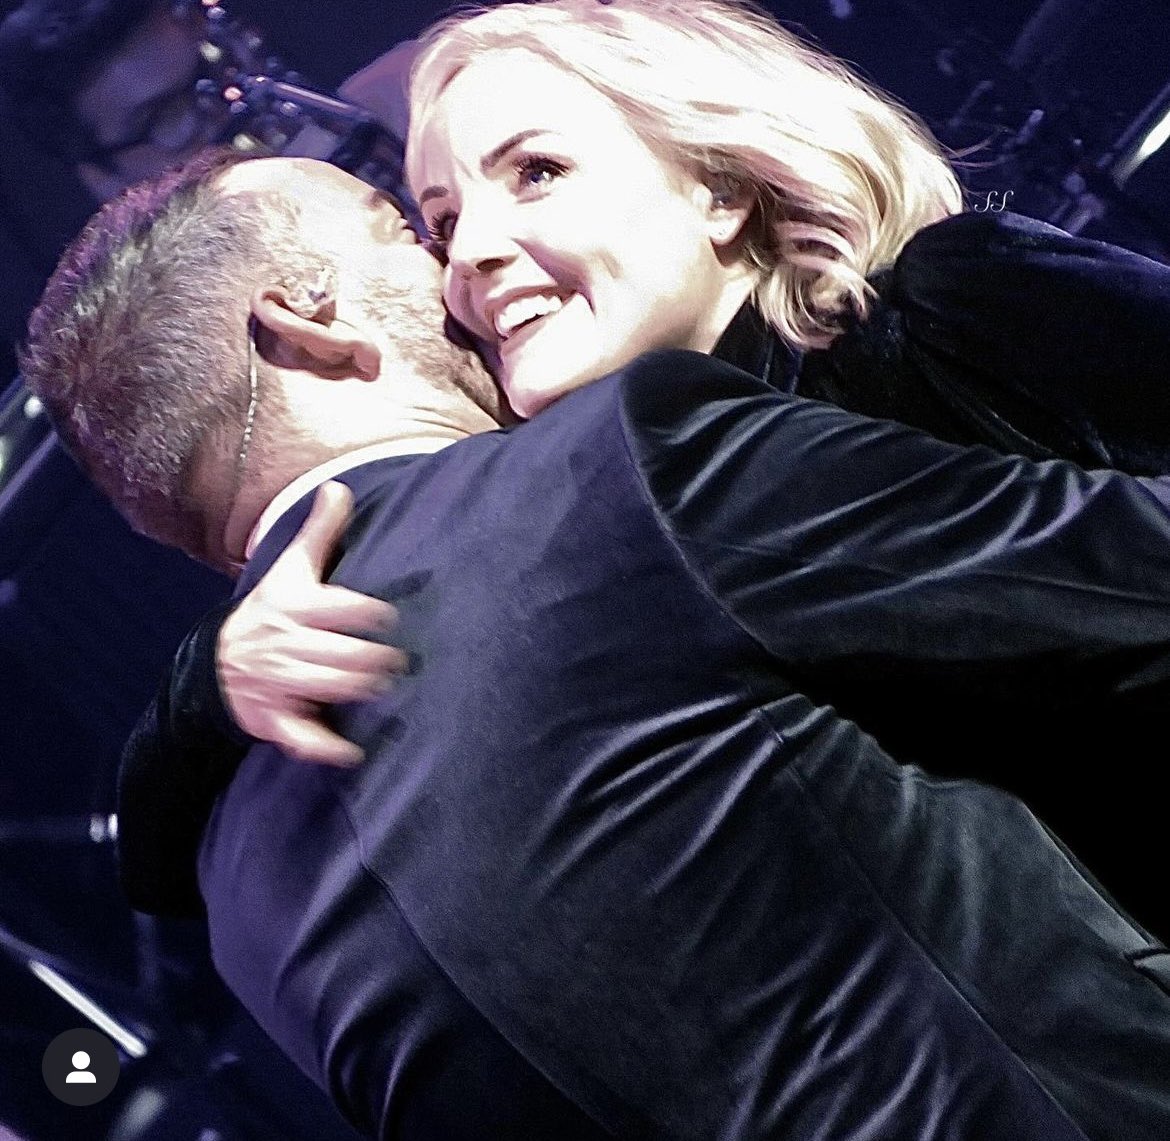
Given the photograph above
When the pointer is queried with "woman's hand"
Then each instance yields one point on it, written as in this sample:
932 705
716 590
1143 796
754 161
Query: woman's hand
295 643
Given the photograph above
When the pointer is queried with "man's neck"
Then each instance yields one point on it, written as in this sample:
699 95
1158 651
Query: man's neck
310 480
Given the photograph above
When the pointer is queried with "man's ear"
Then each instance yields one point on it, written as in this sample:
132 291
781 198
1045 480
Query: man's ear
727 203
308 333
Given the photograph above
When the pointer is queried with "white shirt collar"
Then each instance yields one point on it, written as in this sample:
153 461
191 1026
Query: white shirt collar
322 473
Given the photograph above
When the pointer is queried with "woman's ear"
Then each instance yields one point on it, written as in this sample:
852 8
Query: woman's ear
728 204
305 332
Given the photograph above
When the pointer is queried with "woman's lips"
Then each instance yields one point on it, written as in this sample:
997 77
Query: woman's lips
523 311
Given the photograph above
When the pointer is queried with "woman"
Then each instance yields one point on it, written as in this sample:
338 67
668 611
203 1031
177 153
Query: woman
602 181
699 156
787 180
794 241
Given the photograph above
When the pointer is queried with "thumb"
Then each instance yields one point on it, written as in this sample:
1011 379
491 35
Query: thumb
326 522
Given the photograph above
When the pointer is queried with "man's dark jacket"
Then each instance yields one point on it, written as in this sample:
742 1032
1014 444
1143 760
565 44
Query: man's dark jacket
606 869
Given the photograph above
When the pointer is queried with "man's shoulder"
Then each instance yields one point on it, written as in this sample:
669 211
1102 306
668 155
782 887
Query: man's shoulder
672 398
368 480
665 416
659 380
660 389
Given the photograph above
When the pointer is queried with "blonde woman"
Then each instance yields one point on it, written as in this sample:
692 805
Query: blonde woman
691 174
604 179
812 181
832 229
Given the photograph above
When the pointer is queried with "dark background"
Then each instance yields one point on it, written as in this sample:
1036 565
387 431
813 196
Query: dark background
90 613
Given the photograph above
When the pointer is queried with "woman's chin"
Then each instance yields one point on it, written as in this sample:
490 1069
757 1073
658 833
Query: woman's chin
531 388
527 401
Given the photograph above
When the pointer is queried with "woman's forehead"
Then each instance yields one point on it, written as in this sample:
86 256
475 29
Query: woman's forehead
504 94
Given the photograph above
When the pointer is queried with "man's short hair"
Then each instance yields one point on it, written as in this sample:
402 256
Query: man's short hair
138 347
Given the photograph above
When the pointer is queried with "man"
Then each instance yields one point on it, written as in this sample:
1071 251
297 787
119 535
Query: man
606 870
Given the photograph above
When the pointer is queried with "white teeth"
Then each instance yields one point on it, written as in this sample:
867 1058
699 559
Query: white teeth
523 309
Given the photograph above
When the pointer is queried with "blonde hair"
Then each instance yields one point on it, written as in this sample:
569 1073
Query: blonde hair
841 175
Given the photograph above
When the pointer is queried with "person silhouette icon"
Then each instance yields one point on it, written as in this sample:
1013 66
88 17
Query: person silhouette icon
80 1067
81 1072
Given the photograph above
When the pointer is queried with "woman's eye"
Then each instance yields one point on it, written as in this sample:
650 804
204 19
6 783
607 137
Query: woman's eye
536 171
441 227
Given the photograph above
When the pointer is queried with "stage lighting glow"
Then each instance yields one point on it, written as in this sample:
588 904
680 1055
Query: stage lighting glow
103 829
1156 139
130 1043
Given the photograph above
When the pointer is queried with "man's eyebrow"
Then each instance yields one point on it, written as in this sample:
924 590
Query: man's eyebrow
488 161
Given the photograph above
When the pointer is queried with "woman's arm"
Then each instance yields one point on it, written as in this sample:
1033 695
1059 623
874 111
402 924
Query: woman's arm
259 668
1002 330
1078 330
180 756
295 643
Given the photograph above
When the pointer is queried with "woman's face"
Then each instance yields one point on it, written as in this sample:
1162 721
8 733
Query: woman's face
571 247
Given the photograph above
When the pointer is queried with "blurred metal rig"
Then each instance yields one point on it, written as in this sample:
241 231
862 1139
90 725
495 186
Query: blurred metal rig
270 110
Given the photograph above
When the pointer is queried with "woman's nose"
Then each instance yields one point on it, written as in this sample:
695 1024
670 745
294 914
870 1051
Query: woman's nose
480 243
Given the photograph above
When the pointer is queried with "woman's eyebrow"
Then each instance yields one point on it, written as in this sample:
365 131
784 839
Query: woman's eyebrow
493 157
488 162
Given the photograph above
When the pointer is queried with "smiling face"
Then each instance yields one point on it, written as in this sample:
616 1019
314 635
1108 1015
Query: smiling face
571 246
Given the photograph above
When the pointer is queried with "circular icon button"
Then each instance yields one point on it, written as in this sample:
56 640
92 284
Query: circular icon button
81 1067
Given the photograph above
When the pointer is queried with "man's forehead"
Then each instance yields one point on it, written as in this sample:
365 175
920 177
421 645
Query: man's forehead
318 190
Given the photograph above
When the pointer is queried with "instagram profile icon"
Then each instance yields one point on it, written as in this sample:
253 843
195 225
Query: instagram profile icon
81 1067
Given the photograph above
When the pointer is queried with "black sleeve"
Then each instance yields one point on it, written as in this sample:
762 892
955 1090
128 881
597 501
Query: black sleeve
181 755
1076 330
846 544
1000 329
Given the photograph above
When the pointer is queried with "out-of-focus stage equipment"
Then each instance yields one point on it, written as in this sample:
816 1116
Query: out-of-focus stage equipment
181 1079
1072 118
245 94
270 110
24 432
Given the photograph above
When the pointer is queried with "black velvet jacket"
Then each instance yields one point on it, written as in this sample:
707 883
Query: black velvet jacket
997 329
989 329
607 870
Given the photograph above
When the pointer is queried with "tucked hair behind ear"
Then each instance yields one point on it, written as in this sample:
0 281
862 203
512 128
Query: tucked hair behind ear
842 176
